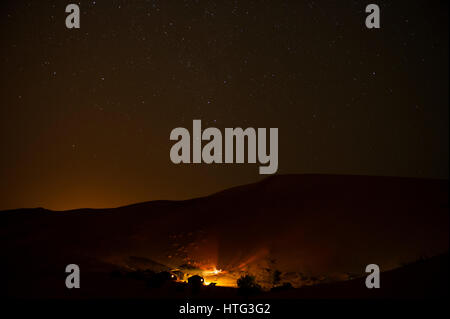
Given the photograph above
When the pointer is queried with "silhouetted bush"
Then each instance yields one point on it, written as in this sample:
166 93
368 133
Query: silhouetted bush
276 277
247 285
195 283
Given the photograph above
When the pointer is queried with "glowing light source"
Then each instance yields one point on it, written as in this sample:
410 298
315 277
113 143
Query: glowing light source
215 271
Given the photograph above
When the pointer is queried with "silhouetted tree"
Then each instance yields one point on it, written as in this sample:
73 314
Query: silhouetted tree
276 277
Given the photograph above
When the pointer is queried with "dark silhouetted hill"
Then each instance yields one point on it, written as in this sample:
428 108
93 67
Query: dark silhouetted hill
313 229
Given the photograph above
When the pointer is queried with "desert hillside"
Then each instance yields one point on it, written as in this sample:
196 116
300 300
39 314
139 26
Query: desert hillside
310 228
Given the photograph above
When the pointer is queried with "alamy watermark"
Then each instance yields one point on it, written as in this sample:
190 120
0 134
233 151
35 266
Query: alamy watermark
215 152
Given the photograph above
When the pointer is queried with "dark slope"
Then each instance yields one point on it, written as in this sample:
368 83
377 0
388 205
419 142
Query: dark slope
426 278
323 226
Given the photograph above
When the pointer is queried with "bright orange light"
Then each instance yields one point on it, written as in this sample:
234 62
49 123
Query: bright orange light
215 271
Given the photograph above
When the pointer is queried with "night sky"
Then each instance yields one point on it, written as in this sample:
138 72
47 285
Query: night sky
86 113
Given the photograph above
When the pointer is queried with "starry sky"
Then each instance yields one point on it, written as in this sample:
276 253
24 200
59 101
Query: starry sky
86 113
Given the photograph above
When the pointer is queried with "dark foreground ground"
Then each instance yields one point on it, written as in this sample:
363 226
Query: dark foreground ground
304 226
426 278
